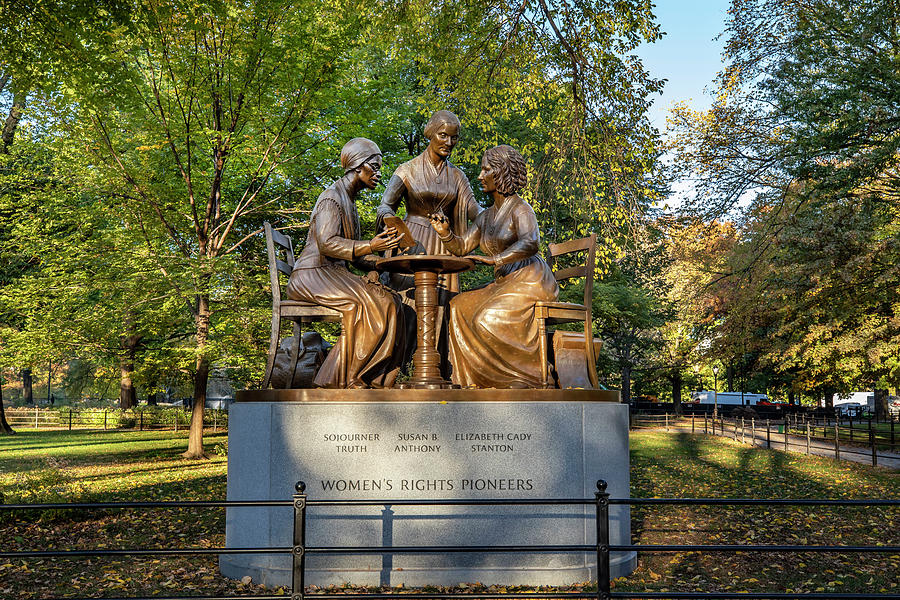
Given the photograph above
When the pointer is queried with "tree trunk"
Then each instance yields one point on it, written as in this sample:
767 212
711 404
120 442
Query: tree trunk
881 404
127 394
829 399
729 377
12 120
677 382
626 385
129 343
5 428
195 437
27 388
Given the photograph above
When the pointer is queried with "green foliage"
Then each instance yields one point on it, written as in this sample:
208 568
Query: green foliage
160 136
804 125
221 449
559 81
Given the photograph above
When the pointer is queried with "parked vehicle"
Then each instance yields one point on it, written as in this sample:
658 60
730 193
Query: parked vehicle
772 404
732 398
850 409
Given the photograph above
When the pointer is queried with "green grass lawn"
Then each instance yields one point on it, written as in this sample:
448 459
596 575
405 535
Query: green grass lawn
128 465
682 465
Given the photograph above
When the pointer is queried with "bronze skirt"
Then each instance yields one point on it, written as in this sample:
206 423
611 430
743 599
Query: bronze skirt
494 333
377 333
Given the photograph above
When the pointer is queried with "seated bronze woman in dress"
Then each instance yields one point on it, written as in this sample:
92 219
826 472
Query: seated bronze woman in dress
493 331
321 276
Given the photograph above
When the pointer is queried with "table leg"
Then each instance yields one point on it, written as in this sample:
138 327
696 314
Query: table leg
426 360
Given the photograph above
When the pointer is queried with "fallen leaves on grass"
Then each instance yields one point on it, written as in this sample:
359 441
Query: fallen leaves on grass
663 465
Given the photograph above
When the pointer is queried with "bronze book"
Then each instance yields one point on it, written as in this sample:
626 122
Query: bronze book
397 223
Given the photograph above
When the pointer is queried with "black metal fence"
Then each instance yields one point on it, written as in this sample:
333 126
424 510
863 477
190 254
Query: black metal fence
867 439
141 419
774 412
601 501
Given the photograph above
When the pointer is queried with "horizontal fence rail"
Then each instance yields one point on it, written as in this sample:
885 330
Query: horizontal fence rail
141 419
299 550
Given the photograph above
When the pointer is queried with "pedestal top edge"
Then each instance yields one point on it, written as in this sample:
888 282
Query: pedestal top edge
434 396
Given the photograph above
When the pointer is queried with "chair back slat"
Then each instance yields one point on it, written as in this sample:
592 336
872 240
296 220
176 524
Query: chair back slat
276 244
283 241
284 267
572 245
569 273
588 245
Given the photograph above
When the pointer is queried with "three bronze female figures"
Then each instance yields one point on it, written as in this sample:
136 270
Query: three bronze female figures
490 334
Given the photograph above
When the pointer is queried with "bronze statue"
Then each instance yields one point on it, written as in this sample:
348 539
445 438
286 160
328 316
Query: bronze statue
493 330
428 184
378 335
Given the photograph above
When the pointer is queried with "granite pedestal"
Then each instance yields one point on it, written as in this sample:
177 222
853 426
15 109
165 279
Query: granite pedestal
426 444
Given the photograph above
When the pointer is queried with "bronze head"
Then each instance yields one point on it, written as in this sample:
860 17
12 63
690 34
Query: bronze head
507 168
440 117
442 131
364 157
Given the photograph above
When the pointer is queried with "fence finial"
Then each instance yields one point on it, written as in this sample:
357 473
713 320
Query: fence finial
300 487
601 485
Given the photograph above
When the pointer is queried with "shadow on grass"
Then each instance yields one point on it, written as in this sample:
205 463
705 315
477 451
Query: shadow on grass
685 465
74 449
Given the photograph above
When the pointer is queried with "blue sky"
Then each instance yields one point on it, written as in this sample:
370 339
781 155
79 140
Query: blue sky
687 56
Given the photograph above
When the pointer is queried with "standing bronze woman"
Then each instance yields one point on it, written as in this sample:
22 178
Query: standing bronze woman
378 334
430 184
493 331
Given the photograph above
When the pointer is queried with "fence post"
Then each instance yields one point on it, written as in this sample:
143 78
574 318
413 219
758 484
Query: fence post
837 441
215 420
175 418
36 417
692 423
142 419
786 448
807 437
70 419
705 428
892 433
298 554
872 442
851 430
667 421
602 540
752 431
743 431
104 420
768 435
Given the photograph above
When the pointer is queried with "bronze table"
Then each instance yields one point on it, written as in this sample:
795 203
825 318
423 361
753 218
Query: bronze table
426 268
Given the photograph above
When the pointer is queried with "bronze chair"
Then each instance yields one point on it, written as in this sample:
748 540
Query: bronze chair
294 310
554 313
